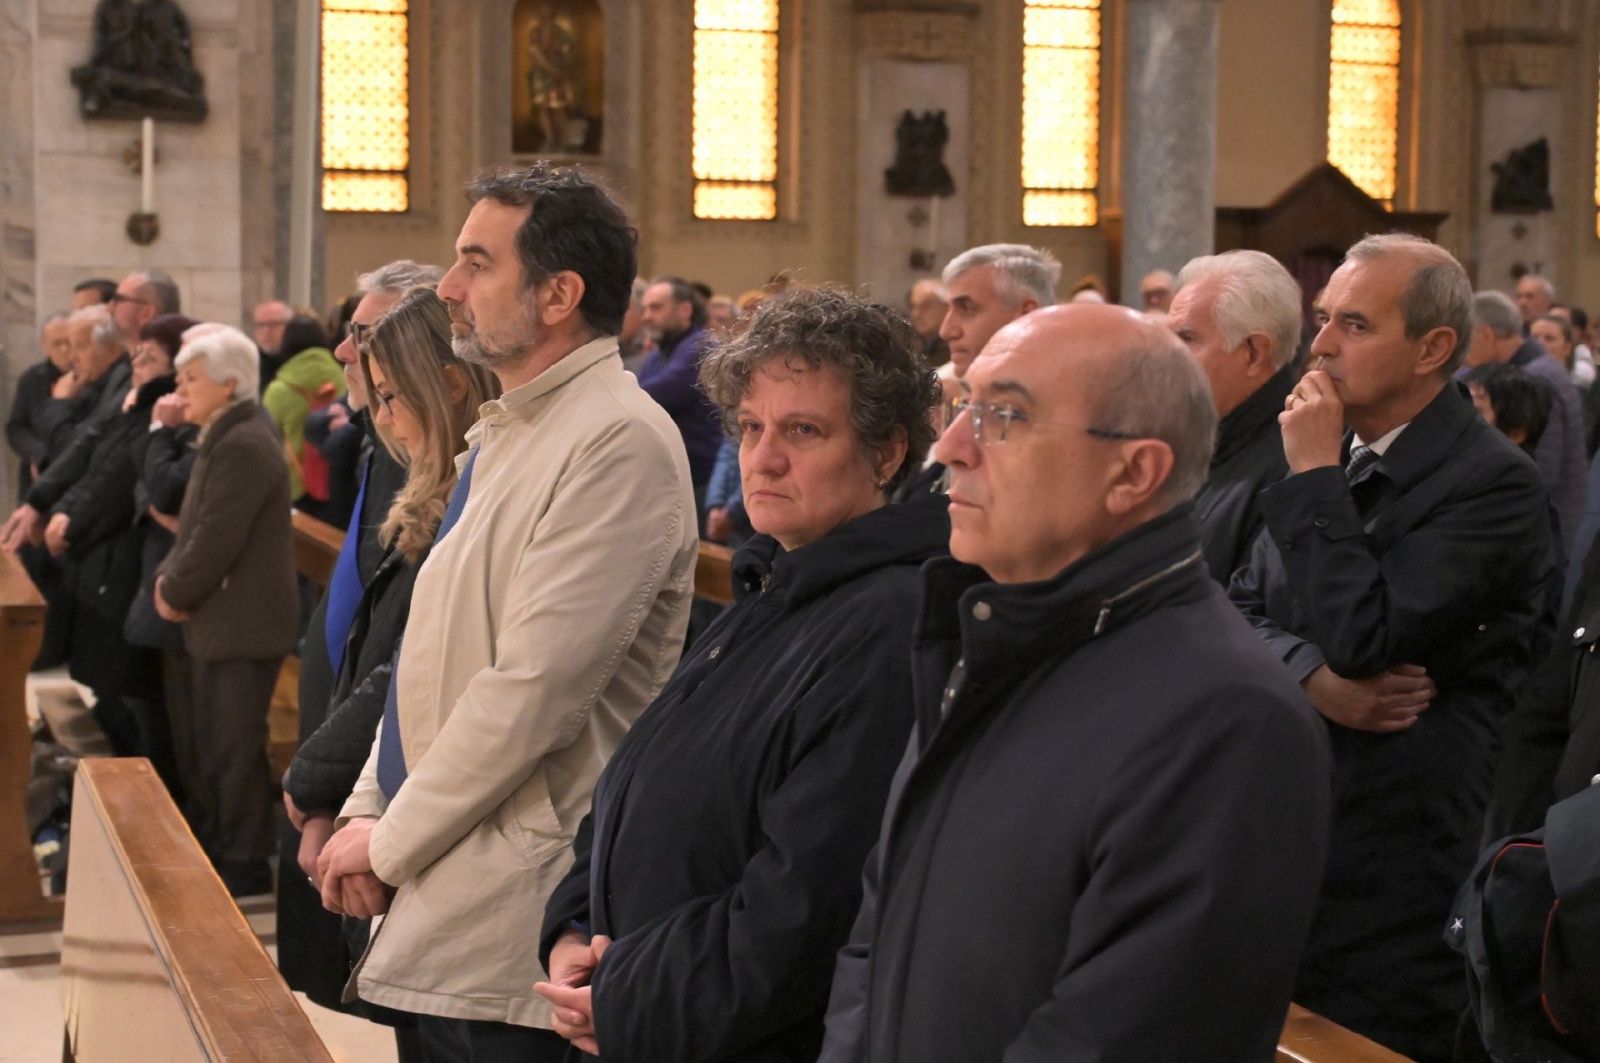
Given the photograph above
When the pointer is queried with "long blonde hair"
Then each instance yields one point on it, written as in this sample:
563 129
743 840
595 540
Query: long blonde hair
412 344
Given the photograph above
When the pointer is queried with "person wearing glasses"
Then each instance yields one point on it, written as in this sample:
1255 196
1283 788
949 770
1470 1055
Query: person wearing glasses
1107 838
720 867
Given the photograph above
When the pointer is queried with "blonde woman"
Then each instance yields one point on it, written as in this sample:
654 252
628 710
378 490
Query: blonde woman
423 401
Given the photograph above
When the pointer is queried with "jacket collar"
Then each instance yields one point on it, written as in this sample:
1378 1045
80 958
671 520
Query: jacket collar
514 404
151 390
1246 422
1432 436
900 533
686 341
1018 625
237 414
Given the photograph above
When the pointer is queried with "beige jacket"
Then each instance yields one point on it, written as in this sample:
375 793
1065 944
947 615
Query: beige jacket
540 628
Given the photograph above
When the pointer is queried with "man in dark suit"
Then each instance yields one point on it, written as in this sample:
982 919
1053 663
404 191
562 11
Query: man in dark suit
1085 857
1239 315
1400 580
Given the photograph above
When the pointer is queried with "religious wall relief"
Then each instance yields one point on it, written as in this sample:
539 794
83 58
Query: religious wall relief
558 77
142 64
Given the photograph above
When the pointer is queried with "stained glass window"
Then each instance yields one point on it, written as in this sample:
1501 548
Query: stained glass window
1364 94
1060 112
736 109
366 105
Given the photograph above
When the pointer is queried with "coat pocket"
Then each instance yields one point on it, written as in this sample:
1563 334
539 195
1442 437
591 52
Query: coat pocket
532 825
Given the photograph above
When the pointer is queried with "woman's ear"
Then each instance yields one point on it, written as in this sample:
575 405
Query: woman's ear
892 456
456 381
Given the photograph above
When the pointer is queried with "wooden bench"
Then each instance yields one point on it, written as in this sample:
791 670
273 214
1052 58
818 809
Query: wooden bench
316 548
1309 1038
157 963
21 632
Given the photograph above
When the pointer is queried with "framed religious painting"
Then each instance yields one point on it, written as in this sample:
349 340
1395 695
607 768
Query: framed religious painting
558 84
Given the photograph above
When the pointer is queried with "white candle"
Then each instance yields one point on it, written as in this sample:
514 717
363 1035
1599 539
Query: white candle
147 168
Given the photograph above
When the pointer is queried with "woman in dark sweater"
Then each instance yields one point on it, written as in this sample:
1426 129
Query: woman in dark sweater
424 399
719 870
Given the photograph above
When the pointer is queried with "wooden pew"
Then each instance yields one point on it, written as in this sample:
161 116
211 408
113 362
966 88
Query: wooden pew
1310 1038
713 574
316 548
157 963
21 632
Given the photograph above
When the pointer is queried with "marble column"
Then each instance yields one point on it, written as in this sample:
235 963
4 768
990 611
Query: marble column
1169 139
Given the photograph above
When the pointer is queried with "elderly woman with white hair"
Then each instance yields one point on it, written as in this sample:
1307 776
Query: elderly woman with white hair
230 581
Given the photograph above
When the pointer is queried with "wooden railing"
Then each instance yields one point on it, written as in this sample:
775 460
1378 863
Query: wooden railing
316 548
713 573
1309 1038
21 632
157 963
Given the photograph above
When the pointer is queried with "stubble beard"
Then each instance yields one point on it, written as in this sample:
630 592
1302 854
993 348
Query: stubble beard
494 351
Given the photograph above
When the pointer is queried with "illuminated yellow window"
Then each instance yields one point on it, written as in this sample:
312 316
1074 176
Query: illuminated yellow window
1060 112
736 109
1364 94
366 106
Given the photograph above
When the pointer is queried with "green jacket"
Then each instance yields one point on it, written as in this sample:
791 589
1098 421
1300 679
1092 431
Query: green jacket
293 394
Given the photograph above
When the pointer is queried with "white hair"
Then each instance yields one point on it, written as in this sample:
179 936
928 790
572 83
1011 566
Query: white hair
227 354
1543 282
399 277
1496 310
1021 272
1254 294
104 331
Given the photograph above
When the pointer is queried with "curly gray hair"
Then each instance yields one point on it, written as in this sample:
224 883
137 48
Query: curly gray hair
875 349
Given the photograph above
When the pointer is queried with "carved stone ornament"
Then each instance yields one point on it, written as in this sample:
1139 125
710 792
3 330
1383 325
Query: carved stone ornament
919 168
142 64
1522 181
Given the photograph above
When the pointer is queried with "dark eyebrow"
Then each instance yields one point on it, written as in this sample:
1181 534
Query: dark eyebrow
1012 387
1351 316
475 249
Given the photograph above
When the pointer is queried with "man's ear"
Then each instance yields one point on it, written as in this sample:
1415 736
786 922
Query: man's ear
455 382
1146 468
1258 353
1437 345
559 297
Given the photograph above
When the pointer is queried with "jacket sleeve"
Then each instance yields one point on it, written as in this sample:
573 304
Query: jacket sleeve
59 420
1203 840
1534 736
65 469
599 556
101 503
713 977
239 483
1366 614
675 383
168 460
1248 593
845 1039
328 765
724 487
20 432
569 903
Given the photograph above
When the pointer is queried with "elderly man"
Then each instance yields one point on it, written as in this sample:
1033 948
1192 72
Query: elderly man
1561 456
267 324
1400 580
311 948
28 426
1535 296
1084 857
675 313
988 287
1156 291
927 303
1239 315
550 611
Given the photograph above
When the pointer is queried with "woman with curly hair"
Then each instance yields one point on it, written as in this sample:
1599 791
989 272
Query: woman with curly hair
424 399
719 870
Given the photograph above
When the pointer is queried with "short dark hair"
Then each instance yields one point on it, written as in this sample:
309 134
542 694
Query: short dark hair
106 288
1519 400
161 290
874 348
573 224
167 331
685 292
301 333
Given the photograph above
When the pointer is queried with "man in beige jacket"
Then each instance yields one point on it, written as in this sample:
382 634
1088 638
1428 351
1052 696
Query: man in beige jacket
549 613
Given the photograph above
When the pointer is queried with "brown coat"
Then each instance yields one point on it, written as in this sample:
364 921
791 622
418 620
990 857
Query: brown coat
232 566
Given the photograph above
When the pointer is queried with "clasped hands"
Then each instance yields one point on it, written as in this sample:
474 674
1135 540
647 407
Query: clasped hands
1313 423
343 872
572 964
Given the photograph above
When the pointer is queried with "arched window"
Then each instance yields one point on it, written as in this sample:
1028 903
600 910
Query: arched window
1364 94
735 124
1060 112
366 105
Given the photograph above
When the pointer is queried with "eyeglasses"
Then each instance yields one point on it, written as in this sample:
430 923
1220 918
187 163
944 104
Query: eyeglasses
991 422
387 401
360 334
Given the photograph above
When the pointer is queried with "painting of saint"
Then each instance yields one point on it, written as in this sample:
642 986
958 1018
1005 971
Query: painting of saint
558 77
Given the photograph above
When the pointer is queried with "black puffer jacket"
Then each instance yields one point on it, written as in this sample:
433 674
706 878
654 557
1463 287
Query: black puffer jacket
725 848
328 763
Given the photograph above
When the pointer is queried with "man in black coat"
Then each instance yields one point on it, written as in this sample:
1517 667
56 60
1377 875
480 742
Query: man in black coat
26 427
1239 315
1084 856
1403 570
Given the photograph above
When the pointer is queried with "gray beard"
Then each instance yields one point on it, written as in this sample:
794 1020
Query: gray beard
469 349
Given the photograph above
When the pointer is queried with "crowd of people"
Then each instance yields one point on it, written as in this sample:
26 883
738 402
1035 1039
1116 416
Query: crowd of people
1098 679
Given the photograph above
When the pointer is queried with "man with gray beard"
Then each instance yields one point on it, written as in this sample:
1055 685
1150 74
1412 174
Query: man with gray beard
549 613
